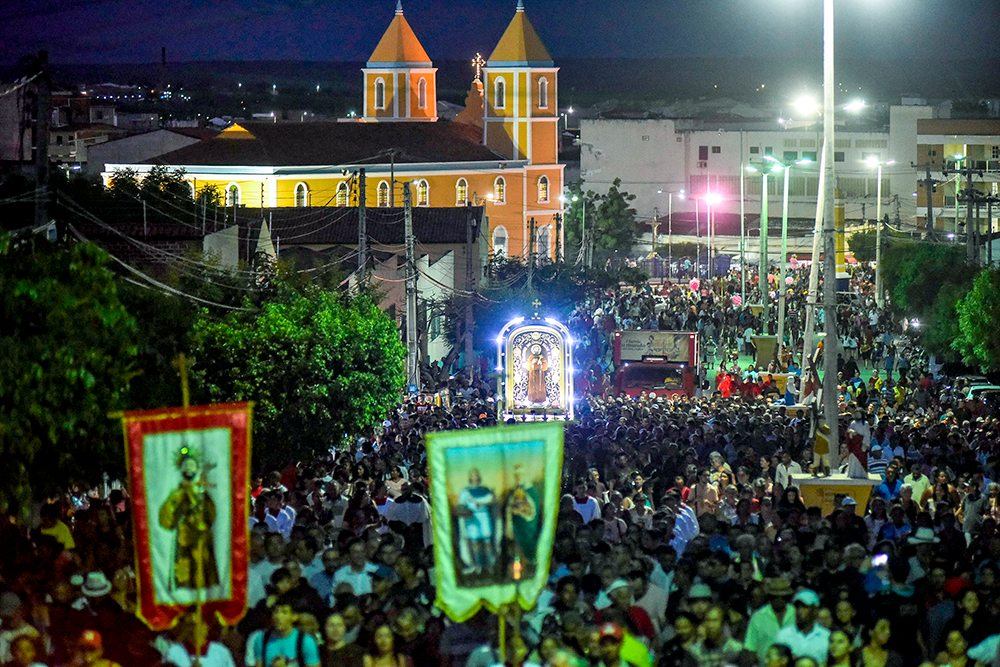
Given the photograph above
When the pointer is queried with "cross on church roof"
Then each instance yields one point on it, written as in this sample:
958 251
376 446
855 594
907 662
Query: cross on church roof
537 304
478 63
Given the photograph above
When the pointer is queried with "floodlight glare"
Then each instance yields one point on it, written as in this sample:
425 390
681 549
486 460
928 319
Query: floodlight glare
855 106
803 161
806 105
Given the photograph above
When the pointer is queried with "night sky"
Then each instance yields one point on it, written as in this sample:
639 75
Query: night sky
132 31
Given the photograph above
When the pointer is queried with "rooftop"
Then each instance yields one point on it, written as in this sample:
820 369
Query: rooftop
332 143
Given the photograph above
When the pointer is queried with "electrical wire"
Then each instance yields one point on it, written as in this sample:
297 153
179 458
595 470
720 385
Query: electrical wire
157 283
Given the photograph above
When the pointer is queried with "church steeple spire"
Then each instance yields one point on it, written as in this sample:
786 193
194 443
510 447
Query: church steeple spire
399 7
400 79
520 5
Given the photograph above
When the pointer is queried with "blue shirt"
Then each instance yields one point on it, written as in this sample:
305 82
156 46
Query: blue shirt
282 646
889 491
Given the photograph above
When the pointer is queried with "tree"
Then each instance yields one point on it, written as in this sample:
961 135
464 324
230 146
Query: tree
318 364
610 223
68 351
978 339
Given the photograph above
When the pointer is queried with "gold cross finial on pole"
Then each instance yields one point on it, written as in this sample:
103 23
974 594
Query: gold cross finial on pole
182 363
478 63
537 304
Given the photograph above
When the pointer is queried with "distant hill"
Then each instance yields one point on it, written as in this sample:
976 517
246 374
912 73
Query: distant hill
588 81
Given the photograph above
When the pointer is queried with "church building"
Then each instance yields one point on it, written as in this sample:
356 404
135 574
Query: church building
501 152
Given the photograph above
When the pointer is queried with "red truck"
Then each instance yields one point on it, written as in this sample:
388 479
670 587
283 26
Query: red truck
660 362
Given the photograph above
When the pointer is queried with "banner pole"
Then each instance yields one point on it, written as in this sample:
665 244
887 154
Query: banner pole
503 635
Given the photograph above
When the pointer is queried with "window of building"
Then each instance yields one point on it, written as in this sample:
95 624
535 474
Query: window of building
543 93
543 188
544 243
768 150
995 152
716 150
342 194
500 190
838 156
422 94
703 153
423 193
500 240
755 150
233 195
790 156
949 201
301 195
499 93
383 193
932 152
809 155
461 192
790 143
379 93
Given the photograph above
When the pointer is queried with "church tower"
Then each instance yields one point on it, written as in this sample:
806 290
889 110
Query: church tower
400 80
520 113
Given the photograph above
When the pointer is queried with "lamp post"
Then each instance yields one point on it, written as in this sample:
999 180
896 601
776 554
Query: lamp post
681 194
762 270
711 199
830 390
879 297
787 168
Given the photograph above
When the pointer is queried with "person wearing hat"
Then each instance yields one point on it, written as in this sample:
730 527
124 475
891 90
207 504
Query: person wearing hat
769 619
90 651
609 645
806 638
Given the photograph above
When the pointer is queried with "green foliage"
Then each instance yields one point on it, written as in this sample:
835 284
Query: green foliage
915 272
942 326
978 313
610 220
68 352
317 364
862 244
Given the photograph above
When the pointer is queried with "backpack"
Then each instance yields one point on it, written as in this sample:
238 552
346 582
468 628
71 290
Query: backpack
268 634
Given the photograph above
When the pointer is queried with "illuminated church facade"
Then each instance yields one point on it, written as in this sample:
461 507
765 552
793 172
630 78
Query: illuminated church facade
501 151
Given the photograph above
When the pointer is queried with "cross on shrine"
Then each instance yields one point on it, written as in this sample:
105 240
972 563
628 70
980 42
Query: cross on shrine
478 63
537 304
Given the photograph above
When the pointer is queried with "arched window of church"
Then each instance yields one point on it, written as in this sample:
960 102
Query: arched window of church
499 93
422 94
500 190
544 243
423 193
500 240
232 195
461 192
543 93
301 195
543 188
342 194
379 93
383 193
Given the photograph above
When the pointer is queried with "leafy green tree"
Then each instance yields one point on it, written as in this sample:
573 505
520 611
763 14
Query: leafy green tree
317 363
68 354
610 221
978 313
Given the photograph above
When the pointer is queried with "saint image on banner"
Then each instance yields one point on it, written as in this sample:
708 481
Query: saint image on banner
537 365
477 532
189 512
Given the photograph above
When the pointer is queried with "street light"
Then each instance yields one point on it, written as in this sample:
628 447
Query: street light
877 164
762 270
670 226
711 199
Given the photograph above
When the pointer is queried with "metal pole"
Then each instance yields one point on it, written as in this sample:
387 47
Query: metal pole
813 298
830 390
656 230
743 232
558 219
670 234
879 299
531 251
697 239
470 286
412 370
762 262
782 270
41 141
362 223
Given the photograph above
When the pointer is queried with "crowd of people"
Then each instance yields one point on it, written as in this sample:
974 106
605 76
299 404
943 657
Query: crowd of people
682 537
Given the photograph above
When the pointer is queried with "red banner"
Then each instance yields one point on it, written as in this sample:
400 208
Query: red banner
188 481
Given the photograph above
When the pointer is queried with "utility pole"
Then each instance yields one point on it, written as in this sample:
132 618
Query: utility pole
970 197
656 230
531 251
470 287
362 225
558 219
928 182
412 369
830 387
42 103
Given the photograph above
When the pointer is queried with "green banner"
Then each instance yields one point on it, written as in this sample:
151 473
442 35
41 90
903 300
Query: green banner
495 497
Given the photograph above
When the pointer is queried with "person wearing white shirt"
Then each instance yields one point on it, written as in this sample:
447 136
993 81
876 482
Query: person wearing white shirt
806 638
767 622
585 504
358 571
216 655
785 470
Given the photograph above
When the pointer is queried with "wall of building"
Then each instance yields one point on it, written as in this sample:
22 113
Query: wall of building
138 148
